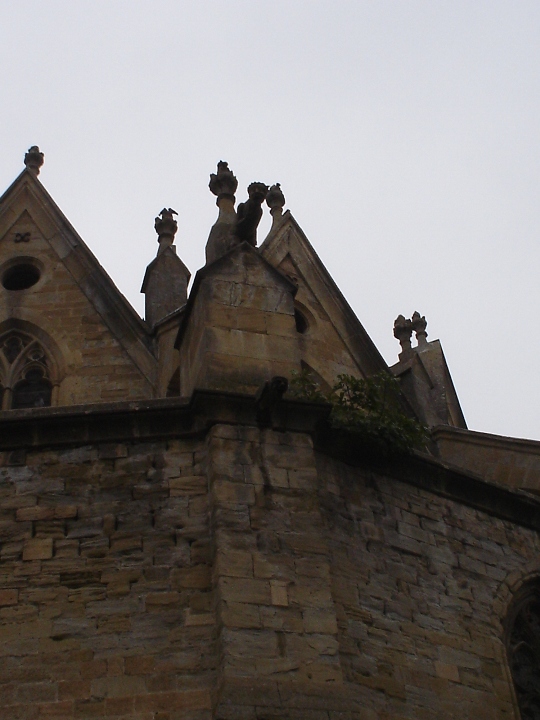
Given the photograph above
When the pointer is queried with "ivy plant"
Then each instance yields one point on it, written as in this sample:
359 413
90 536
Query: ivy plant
368 408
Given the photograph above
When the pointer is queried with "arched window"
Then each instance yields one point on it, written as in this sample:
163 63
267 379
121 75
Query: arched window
523 647
25 372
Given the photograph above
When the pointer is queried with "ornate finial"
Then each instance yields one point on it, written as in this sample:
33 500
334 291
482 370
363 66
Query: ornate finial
166 227
275 201
33 159
223 183
403 331
419 325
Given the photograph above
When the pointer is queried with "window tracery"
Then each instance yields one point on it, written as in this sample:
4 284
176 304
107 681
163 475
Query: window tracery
523 647
25 372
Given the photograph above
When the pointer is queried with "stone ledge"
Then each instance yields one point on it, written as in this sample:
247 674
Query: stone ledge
148 420
170 418
434 476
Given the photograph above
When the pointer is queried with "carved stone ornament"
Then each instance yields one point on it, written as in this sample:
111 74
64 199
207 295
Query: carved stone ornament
34 159
250 212
524 655
22 237
275 200
165 225
402 332
419 325
223 183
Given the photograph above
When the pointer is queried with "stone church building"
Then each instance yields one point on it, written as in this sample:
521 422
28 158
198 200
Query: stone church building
183 539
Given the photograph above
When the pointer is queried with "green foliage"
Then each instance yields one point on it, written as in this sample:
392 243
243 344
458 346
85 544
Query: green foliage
369 408
304 387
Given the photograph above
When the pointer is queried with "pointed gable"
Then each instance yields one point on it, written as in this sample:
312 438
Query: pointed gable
333 339
105 346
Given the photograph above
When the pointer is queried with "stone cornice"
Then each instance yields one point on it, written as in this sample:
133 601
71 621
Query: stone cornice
143 420
434 476
169 418
470 437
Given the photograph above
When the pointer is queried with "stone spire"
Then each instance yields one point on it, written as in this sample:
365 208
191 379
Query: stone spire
166 227
275 201
34 159
166 279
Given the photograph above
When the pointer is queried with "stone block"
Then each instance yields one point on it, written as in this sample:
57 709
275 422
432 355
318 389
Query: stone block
197 577
188 485
240 615
9 597
320 621
245 590
278 593
118 686
38 549
193 619
232 493
38 512
447 672
162 598
234 563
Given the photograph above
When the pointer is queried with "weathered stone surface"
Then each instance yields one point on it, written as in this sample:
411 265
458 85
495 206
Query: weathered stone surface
115 599
202 559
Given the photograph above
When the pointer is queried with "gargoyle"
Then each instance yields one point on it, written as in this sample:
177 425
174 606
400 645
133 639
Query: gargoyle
249 213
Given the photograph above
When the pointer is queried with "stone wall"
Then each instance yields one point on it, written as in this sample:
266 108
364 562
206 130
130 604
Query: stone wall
420 588
240 573
106 607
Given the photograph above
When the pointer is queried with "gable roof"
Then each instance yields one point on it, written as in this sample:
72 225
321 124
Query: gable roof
132 333
288 238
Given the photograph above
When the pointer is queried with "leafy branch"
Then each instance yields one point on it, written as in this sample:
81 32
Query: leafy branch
369 408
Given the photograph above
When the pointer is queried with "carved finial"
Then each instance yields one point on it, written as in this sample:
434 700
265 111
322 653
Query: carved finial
222 237
403 331
223 183
275 201
419 325
166 227
33 159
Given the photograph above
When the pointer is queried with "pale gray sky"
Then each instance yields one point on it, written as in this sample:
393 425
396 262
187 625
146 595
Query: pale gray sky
404 134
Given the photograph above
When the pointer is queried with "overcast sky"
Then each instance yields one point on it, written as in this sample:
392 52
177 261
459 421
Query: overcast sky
404 133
